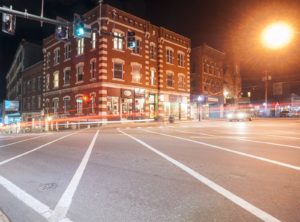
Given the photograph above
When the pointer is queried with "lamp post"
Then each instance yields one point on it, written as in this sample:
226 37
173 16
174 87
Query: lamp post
274 37
200 99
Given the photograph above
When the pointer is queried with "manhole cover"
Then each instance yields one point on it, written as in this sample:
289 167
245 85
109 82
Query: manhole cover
47 187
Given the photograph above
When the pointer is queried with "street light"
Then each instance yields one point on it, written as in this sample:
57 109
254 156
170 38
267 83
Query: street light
277 35
200 99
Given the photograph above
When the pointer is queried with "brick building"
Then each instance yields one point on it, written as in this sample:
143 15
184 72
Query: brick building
207 80
32 94
102 78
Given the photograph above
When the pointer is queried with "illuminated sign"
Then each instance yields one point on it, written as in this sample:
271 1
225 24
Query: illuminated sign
11 106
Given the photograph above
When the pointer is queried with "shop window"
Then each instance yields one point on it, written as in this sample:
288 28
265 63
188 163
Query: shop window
66 105
112 105
79 105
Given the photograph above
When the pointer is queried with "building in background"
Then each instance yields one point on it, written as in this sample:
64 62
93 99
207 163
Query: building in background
32 94
207 82
104 79
26 55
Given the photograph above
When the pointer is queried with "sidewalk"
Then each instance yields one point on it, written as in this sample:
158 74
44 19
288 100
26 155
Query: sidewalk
3 217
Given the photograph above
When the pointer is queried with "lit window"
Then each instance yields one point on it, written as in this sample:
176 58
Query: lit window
118 70
170 56
79 73
181 81
180 59
170 81
136 73
79 104
137 47
80 46
48 82
94 38
152 77
56 80
118 40
152 51
48 59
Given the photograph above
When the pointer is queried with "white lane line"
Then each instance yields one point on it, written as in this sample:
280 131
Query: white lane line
219 189
63 205
21 141
35 149
231 151
244 139
27 199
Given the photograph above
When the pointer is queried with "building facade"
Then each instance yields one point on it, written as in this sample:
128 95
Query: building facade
32 94
26 55
207 81
102 78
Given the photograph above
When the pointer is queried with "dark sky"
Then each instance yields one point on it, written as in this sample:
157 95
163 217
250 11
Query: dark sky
228 25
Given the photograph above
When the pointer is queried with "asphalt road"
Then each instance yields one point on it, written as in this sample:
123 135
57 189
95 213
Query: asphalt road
198 171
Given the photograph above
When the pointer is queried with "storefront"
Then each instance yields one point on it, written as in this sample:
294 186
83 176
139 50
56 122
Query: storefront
175 105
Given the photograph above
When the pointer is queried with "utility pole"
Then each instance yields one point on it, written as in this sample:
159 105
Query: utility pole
266 79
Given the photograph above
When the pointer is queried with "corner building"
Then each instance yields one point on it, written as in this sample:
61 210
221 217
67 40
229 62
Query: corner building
100 77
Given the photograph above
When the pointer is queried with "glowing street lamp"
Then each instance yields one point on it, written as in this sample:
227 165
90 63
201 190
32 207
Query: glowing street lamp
277 35
200 99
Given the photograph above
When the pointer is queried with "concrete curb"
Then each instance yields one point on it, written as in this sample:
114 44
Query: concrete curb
3 217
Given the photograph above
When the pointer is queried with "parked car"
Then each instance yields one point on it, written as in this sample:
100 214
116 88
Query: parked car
239 115
285 113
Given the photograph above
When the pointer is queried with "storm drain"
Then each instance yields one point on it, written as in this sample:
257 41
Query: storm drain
47 187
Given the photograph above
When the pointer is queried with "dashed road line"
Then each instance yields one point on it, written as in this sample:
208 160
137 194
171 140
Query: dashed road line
290 166
63 205
209 183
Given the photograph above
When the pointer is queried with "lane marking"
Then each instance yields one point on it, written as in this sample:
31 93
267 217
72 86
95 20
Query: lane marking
21 141
290 166
36 205
244 139
35 149
63 205
209 183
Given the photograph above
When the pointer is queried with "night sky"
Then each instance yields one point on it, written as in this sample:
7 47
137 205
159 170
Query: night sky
232 26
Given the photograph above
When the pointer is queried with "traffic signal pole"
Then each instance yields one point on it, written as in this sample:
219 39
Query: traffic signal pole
33 17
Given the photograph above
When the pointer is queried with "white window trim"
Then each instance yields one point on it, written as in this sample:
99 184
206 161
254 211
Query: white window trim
77 65
95 68
123 34
55 72
57 49
181 74
69 98
168 48
93 94
67 44
65 69
118 60
168 72
140 66
155 79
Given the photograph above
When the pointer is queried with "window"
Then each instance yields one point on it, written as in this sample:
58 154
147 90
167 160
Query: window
136 73
66 104
152 77
170 79
48 59
181 81
137 47
48 82
118 40
56 56
112 105
79 73
180 59
33 103
80 46
55 105
170 56
67 51
152 51
67 76
92 103
94 39
93 69
39 83
79 105
39 102
56 80
118 70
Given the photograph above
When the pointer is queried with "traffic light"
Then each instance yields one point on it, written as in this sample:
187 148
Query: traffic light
8 23
78 26
131 40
